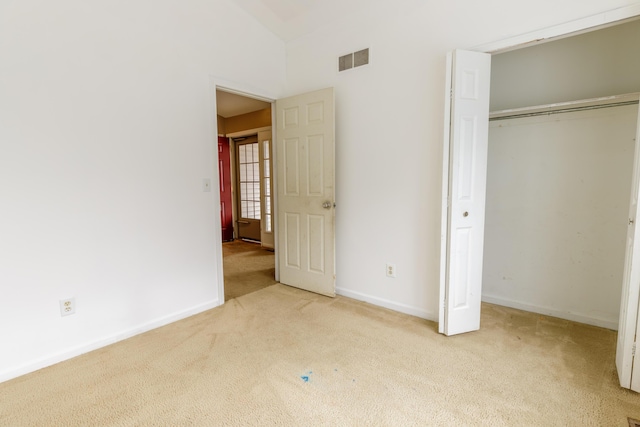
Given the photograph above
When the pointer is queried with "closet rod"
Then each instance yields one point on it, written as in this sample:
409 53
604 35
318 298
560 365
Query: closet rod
565 110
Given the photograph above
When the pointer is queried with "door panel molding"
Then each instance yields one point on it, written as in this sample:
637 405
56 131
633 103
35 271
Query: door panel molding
628 372
464 189
306 190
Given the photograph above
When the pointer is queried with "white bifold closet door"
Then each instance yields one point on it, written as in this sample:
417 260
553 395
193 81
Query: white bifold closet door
628 373
464 188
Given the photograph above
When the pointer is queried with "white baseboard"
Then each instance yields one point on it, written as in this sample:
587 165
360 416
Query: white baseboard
381 302
103 342
554 312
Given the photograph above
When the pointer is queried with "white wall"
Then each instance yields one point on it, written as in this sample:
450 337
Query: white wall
595 64
390 125
556 214
546 274
106 133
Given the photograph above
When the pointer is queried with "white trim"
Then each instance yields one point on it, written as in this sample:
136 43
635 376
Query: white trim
274 189
571 28
217 83
592 102
238 88
385 303
244 94
567 29
444 219
103 342
215 183
247 132
602 322
217 224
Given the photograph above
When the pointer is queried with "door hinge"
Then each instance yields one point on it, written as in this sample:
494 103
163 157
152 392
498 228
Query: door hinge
633 350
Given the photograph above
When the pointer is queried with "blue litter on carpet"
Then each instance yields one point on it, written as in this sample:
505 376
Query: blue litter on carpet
306 377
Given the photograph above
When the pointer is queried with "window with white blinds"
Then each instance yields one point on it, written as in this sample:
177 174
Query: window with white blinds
266 153
249 169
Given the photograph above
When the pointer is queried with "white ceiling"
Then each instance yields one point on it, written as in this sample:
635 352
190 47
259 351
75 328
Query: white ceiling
229 104
290 19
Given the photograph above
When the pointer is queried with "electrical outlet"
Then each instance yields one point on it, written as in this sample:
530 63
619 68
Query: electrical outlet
391 270
67 306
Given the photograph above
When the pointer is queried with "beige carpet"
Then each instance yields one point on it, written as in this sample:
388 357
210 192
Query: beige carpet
247 268
281 356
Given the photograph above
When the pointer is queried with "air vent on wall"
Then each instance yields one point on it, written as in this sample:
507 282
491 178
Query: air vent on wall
352 60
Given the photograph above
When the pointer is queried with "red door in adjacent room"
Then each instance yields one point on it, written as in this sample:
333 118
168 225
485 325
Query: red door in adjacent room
226 209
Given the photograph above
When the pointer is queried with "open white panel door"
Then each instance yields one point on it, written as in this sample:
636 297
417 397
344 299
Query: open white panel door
464 189
628 324
305 178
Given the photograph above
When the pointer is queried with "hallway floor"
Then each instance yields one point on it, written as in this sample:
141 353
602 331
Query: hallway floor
247 268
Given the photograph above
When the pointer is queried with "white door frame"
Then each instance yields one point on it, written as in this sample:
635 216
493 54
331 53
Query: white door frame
232 151
249 92
592 23
567 29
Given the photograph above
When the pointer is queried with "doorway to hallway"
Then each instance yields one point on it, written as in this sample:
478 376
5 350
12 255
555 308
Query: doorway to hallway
247 268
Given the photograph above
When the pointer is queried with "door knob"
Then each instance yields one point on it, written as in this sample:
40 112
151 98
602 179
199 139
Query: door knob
465 214
326 205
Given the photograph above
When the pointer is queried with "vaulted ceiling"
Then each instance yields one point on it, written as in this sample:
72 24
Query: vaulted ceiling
290 19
